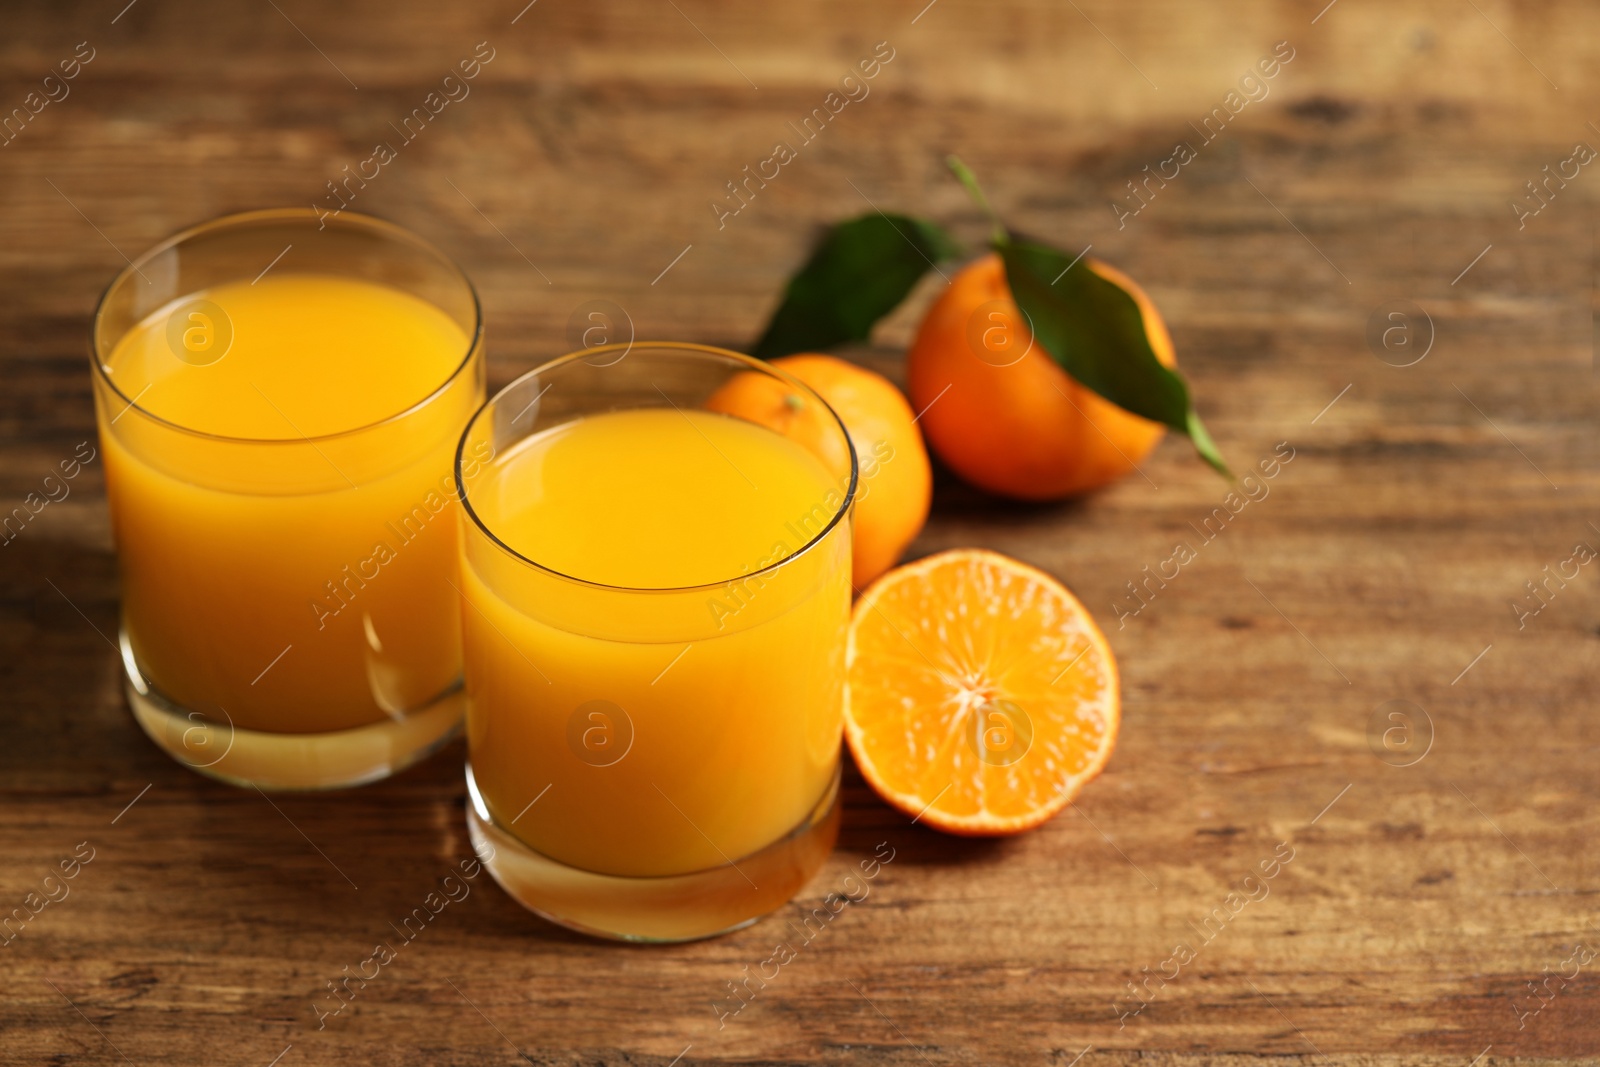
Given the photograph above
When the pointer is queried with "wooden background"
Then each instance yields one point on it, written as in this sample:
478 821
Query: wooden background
1417 908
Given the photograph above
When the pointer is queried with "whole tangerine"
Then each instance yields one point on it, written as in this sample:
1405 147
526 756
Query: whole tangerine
1001 412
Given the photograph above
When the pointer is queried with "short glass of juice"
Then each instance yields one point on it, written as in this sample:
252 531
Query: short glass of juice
279 399
655 597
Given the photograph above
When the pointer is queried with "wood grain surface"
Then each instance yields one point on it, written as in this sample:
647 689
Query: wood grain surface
1423 904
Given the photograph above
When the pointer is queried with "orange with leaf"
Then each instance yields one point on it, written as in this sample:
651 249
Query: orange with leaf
1040 375
974 357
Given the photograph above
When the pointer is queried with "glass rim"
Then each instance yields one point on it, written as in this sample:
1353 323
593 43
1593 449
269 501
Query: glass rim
750 363
371 222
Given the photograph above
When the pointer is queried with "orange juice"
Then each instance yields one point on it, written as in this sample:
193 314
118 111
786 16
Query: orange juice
659 692
284 509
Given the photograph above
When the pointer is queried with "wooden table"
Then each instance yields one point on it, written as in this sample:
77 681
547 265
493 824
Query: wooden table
1421 900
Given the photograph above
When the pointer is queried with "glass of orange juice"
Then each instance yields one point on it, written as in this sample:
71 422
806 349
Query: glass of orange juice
654 607
279 398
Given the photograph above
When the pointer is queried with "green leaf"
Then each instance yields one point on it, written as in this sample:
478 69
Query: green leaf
1092 327
860 272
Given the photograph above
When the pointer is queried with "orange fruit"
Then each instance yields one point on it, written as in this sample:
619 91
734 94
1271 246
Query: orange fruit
1001 412
895 482
980 695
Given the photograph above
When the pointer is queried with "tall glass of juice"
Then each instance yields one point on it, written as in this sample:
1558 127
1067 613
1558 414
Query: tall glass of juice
654 606
279 398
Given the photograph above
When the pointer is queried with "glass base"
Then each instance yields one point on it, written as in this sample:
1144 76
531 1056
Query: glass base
683 907
332 760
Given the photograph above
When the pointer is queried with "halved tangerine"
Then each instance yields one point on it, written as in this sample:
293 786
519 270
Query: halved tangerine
981 695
